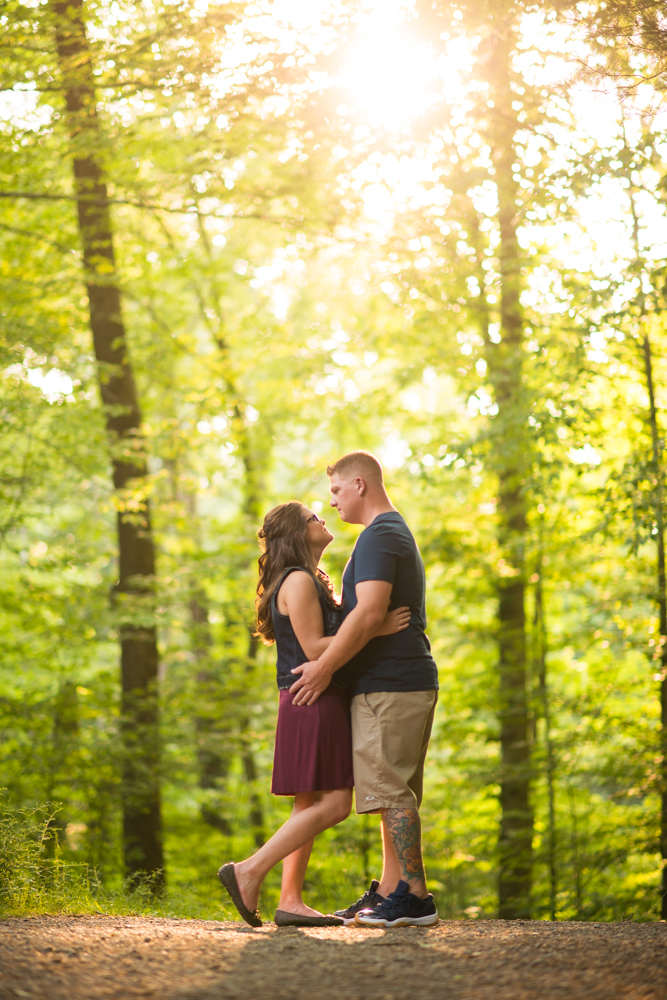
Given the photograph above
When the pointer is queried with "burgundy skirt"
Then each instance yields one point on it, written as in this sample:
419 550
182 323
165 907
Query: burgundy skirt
313 744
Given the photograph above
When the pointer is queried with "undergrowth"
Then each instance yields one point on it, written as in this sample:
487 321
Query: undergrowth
34 878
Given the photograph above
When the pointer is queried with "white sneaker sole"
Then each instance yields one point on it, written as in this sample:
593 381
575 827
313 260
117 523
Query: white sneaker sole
427 921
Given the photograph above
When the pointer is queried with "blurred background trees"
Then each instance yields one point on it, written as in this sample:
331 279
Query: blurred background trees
238 241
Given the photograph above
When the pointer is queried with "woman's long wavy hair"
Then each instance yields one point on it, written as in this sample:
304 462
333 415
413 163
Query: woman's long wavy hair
283 539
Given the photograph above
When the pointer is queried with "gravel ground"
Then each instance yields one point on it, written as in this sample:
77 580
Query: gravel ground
105 958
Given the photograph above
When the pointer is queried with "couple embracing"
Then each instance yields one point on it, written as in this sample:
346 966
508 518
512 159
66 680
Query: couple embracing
358 688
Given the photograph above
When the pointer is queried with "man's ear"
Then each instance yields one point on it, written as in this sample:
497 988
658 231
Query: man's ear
360 485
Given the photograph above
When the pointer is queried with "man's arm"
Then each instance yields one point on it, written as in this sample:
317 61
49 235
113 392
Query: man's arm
361 624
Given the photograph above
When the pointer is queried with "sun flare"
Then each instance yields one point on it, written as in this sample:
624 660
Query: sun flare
390 78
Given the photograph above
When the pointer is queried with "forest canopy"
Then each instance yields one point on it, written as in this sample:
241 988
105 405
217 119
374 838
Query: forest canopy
240 239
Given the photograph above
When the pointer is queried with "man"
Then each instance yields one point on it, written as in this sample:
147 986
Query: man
394 688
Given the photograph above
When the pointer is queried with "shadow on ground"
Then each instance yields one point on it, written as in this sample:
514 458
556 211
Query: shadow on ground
108 958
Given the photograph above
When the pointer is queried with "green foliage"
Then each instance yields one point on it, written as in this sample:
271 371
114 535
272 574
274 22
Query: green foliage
34 877
273 326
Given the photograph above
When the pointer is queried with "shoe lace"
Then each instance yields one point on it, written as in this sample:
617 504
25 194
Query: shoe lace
366 898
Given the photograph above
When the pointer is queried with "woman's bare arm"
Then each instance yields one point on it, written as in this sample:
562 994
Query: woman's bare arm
299 599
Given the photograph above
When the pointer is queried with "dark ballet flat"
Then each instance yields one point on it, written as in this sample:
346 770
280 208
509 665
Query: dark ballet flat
284 919
227 876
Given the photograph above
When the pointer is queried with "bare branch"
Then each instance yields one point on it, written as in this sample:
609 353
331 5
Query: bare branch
192 210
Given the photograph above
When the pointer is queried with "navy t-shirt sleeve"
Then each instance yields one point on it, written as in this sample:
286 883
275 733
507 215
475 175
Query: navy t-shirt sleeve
386 550
377 555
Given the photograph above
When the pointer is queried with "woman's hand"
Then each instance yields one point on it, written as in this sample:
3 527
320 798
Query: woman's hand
395 621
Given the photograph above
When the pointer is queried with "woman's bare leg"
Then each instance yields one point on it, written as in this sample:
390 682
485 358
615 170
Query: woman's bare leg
294 872
295 865
325 810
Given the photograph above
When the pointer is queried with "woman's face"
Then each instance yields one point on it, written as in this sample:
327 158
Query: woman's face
318 535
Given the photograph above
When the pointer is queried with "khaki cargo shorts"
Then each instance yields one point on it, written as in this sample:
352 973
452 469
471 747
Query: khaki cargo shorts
390 734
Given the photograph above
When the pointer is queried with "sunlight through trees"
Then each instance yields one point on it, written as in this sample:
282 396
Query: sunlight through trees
238 240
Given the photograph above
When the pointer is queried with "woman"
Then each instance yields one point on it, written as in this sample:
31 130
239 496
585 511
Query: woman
297 609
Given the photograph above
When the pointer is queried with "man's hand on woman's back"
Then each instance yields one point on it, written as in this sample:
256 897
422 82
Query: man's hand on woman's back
314 680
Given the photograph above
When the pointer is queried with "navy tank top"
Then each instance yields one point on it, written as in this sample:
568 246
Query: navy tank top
290 653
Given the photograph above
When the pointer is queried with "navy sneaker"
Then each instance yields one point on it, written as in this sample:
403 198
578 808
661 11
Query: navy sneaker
369 899
400 909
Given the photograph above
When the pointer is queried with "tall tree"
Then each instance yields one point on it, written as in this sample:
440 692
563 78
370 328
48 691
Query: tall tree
253 488
172 54
636 165
511 461
142 825
647 313
630 42
497 112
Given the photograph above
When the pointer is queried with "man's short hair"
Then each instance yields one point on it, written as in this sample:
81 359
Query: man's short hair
357 463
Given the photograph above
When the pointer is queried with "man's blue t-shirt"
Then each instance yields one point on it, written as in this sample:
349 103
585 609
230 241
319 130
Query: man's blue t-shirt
386 550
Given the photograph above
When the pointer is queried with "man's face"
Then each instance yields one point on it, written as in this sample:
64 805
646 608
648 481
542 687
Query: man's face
346 497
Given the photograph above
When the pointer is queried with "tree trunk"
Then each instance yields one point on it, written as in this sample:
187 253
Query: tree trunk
661 594
142 834
213 762
662 610
510 458
252 511
249 766
64 738
252 499
540 645
252 491
574 838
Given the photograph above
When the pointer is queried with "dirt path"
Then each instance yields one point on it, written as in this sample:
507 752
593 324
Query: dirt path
105 958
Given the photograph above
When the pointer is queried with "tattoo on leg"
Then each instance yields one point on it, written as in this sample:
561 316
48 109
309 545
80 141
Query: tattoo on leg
404 828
